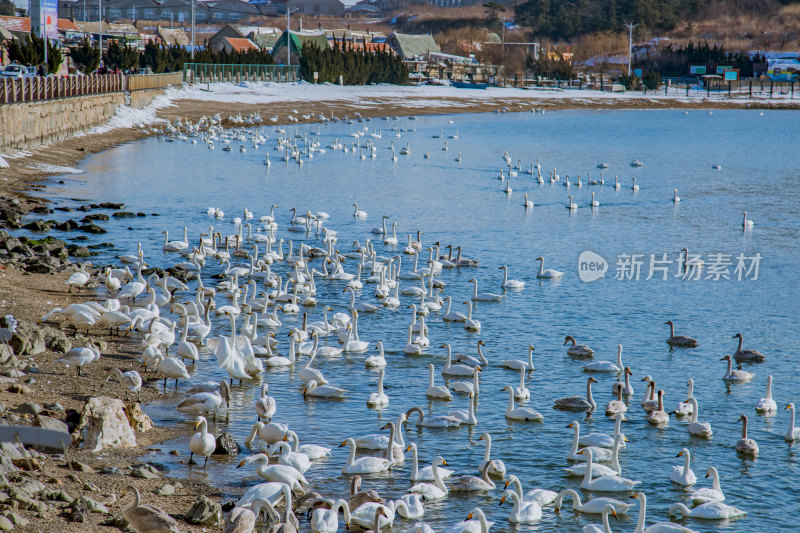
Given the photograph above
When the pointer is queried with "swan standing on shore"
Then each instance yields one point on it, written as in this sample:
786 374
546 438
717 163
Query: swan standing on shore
202 443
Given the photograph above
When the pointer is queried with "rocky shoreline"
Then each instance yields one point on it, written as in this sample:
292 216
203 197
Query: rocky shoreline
79 489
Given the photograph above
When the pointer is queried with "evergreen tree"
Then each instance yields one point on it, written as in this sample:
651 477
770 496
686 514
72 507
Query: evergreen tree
85 56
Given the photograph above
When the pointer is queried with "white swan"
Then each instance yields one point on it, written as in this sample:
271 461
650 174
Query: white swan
202 443
747 223
605 483
357 213
452 316
661 527
471 525
483 296
604 440
541 496
746 445
175 246
467 387
435 491
467 416
522 512
707 511
606 366
732 375
518 364
451 370
547 273
425 473
297 460
579 402
599 454
276 473
701 429
510 283
522 392
520 413
598 469
683 474
439 392
675 198
767 404
313 451
471 324
571 205
364 464
685 408
498 468
793 433
440 421
322 391
593 506
78 357
327 520
714 494
378 399
604 527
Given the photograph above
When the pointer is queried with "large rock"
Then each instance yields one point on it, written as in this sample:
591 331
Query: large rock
56 340
6 353
138 420
205 512
108 425
226 445
28 340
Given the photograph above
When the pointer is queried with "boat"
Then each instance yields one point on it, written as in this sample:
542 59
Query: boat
469 85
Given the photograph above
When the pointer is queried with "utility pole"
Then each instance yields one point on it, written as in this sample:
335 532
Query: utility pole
288 37
100 8
630 27
192 30
503 50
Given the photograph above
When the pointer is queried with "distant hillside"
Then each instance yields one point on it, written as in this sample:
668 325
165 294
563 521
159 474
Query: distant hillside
566 19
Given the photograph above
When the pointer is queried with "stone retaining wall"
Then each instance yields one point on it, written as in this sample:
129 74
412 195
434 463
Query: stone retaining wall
26 125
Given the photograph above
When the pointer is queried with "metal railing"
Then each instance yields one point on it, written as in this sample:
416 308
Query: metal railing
153 81
50 87
212 73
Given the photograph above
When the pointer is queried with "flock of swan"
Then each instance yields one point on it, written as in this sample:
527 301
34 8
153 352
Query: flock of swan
262 274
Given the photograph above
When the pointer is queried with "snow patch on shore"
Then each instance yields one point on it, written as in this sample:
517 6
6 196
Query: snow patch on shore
129 117
56 169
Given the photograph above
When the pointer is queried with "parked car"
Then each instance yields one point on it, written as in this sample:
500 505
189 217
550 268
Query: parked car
18 71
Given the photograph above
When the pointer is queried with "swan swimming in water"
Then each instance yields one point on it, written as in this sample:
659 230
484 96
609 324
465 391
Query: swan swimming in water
547 273
683 474
714 494
579 402
793 433
767 404
679 340
746 445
